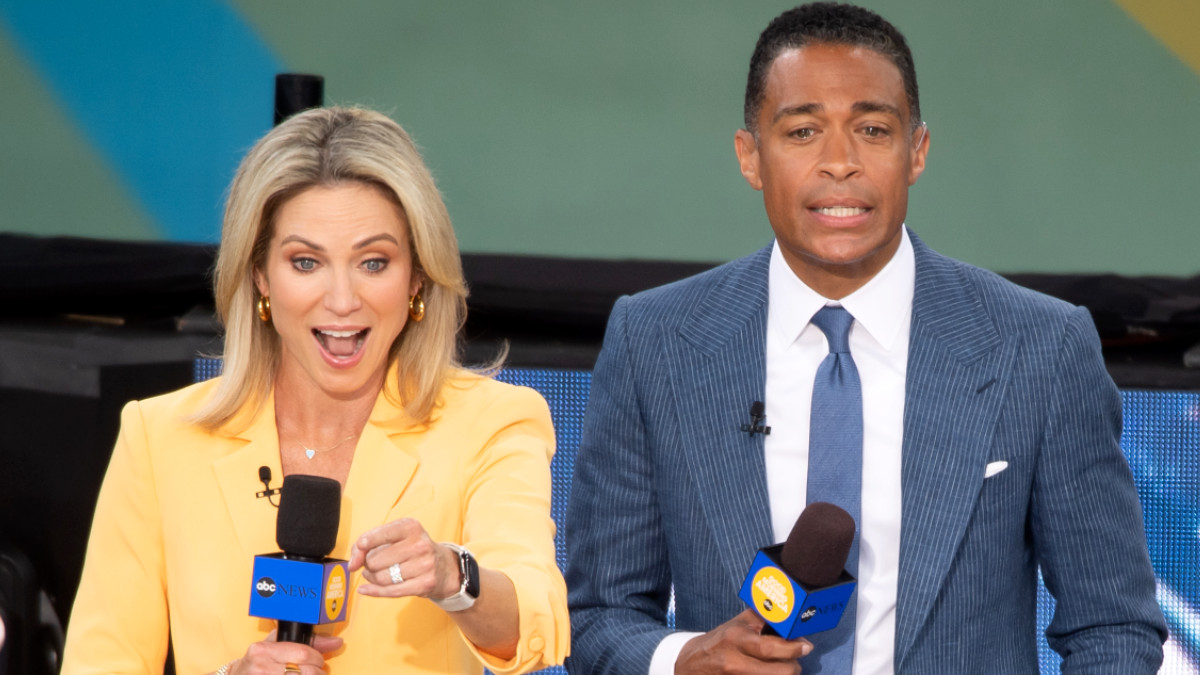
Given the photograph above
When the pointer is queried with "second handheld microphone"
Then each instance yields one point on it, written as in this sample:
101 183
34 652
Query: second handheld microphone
801 587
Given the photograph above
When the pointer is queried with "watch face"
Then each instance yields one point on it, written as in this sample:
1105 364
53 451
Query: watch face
470 572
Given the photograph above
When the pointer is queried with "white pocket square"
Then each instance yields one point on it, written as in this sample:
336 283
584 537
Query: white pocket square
994 468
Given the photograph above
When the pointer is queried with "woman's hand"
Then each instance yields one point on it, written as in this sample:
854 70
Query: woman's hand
399 559
427 569
276 658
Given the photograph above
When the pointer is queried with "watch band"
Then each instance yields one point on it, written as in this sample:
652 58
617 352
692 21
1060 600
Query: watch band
468 592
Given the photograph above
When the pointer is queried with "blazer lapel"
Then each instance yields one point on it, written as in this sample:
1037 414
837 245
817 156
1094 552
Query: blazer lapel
718 367
237 473
382 469
958 369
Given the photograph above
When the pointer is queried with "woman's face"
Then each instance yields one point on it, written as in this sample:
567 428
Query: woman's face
339 273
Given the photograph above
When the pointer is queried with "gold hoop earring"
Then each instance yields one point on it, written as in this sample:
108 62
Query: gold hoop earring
416 307
264 309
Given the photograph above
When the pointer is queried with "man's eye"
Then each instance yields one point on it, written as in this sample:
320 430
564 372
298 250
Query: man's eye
874 132
803 134
304 264
376 264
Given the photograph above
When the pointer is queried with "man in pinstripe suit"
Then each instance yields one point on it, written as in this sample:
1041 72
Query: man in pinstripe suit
990 436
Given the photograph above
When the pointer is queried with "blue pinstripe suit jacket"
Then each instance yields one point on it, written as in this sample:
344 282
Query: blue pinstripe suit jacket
667 490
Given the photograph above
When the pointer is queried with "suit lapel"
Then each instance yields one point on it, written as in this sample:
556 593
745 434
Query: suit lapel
958 368
718 364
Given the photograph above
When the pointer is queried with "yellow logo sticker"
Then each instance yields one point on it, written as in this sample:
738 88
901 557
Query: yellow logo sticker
335 593
773 594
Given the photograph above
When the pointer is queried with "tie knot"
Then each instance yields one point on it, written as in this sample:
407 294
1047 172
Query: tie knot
835 323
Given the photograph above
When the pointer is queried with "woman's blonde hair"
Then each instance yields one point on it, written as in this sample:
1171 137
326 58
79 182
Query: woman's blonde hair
327 147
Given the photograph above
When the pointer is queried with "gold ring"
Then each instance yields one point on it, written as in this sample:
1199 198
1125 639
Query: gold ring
291 668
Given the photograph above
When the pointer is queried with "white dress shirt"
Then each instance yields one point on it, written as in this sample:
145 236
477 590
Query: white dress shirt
882 311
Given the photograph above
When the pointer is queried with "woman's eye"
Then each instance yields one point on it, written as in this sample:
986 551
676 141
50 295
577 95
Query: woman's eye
304 264
375 264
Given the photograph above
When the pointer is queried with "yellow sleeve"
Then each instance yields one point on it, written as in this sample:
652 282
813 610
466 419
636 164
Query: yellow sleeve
119 620
507 525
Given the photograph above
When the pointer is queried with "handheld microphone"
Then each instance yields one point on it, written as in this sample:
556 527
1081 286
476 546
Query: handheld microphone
801 587
299 586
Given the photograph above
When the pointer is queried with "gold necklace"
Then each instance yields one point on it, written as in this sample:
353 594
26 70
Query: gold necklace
311 452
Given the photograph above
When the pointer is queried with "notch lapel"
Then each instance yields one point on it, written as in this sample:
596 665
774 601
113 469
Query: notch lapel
237 474
384 465
718 368
958 371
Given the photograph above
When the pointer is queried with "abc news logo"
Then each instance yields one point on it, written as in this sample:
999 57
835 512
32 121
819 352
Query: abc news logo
813 611
266 587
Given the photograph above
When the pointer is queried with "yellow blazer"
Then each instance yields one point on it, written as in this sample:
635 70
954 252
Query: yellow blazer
177 526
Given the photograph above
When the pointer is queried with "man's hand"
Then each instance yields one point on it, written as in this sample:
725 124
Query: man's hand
738 646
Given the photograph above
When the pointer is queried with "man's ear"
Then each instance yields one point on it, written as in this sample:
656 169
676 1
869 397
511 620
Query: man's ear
920 150
747 153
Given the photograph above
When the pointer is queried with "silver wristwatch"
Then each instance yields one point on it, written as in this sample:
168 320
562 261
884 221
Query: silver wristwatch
468 593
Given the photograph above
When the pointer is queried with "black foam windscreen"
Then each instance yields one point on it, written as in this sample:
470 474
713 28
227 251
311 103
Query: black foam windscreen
309 511
816 549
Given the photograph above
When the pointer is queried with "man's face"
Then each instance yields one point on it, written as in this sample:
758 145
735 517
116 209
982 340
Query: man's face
834 157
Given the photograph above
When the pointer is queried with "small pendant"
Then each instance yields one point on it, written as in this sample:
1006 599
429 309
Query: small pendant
309 452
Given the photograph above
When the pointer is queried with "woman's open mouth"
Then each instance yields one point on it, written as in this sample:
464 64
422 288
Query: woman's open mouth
341 344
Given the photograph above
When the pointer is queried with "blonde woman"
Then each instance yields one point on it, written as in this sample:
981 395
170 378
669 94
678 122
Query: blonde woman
341 290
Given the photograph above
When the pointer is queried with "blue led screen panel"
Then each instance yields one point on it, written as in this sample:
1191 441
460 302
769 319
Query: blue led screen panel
1161 441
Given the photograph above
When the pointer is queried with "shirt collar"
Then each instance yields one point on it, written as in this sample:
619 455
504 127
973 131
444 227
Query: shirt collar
881 306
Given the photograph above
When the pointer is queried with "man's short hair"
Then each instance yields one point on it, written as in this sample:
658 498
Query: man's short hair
828 23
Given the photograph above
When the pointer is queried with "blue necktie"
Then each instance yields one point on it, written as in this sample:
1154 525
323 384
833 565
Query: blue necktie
835 467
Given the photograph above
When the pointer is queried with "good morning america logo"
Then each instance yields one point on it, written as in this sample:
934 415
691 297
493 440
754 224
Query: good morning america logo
772 594
266 587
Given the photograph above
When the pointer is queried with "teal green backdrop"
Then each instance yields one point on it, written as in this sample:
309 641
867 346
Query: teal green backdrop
1062 133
